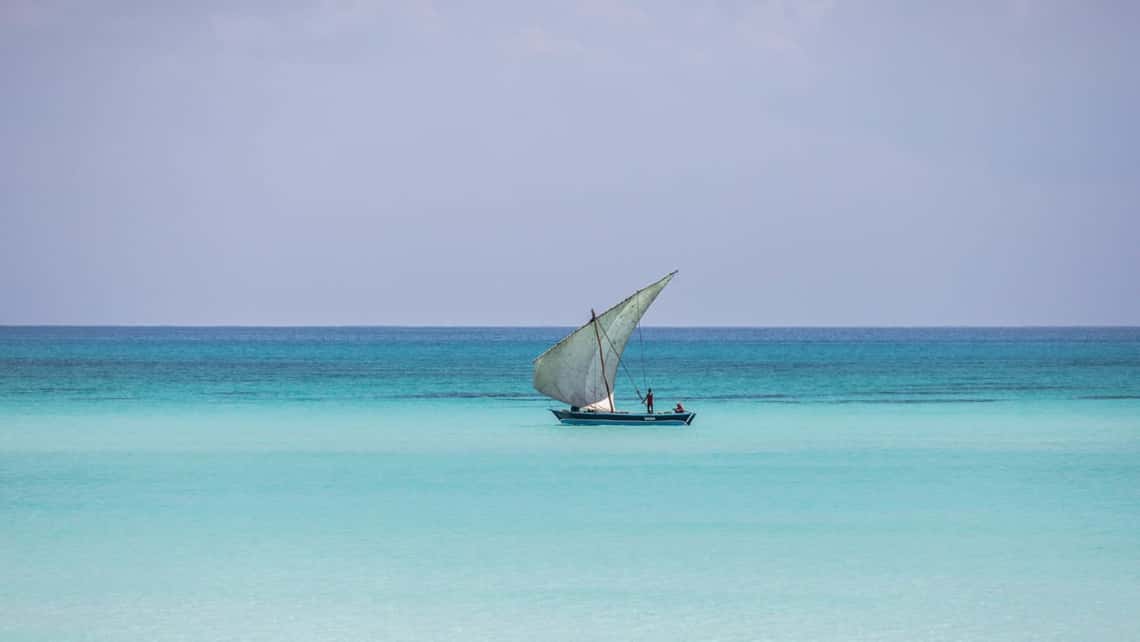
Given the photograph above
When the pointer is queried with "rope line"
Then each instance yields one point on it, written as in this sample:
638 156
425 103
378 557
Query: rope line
644 358
620 362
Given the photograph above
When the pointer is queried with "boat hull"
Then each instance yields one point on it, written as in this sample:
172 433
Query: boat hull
586 418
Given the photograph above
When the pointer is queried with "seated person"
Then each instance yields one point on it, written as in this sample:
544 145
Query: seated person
679 408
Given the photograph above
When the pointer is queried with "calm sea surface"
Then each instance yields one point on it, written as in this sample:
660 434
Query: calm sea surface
408 484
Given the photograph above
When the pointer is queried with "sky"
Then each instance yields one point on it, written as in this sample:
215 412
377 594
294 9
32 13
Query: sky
517 163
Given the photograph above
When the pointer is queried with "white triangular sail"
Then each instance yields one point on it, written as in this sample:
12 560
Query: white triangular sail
572 370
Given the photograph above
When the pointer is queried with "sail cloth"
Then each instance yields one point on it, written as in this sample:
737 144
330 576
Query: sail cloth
571 371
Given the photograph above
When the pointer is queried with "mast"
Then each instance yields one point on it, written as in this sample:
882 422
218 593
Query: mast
602 358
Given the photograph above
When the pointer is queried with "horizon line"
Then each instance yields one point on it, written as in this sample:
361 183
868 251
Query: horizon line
544 326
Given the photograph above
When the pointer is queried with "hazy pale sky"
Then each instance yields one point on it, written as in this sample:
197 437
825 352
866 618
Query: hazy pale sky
417 162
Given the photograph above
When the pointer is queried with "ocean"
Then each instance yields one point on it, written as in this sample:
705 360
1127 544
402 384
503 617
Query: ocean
409 484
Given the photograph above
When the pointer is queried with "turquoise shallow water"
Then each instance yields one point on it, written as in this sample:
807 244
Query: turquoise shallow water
360 483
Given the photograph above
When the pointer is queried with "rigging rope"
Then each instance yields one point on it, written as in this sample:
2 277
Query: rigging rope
644 359
621 363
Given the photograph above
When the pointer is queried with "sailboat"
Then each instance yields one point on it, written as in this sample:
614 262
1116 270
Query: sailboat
580 369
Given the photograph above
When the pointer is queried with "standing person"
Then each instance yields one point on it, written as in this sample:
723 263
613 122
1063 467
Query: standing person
649 401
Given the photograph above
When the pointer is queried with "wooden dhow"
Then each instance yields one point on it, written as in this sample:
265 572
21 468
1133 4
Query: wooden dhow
580 370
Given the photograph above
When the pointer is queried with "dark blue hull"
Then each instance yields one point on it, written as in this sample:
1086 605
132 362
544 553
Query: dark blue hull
586 418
